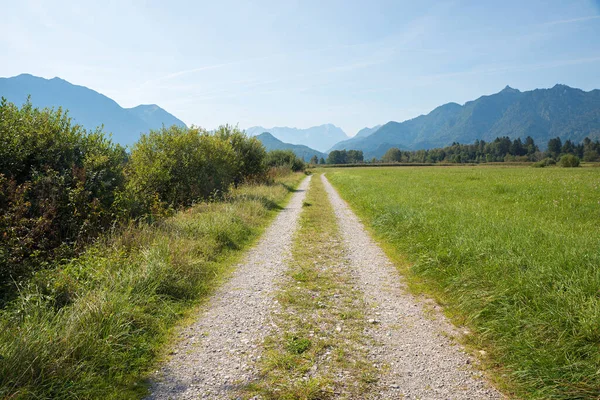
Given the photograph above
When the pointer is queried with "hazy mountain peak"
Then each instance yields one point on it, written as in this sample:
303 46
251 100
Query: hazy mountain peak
364 132
86 106
542 114
320 137
272 143
508 89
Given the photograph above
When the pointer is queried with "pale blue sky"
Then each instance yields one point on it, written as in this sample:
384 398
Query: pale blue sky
303 63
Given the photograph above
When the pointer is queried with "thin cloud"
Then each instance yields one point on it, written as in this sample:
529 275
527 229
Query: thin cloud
415 29
353 67
200 69
572 20
238 62
491 70
193 70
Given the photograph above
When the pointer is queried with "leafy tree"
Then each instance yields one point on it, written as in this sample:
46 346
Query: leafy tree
517 148
530 146
314 160
555 147
321 160
337 157
568 147
285 158
392 155
354 156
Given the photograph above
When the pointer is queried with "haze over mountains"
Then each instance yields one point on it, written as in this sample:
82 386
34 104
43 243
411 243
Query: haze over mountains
304 152
320 137
541 113
87 107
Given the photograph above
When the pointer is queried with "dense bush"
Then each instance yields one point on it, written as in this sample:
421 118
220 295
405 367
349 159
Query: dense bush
544 163
569 161
59 187
177 166
249 152
285 159
174 167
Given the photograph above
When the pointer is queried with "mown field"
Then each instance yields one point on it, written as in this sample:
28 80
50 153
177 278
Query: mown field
512 252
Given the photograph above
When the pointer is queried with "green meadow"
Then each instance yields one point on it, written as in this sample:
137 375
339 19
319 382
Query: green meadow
511 252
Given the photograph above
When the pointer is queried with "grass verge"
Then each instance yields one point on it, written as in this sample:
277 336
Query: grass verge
511 252
93 327
318 350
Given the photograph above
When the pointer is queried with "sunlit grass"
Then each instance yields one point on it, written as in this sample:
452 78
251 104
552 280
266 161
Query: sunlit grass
94 327
512 252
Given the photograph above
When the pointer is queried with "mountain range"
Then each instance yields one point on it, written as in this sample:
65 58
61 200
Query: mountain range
304 152
541 113
87 107
320 137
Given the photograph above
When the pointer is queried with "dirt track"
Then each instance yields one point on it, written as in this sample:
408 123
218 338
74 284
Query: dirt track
217 353
413 352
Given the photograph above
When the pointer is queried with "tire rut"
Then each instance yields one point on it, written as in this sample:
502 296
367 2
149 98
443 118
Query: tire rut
414 352
217 353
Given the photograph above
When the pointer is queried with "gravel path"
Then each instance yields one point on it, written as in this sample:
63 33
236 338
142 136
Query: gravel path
217 353
418 359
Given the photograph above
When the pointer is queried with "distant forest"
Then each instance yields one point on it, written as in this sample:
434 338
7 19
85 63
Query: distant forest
502 149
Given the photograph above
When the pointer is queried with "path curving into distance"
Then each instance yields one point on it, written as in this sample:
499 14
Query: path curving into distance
419 360
217 353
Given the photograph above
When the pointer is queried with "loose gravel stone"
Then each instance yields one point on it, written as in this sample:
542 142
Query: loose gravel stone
217 353
422 362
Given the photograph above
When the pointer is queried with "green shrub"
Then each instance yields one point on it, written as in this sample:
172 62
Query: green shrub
250 154
177 167
544 163
569 161
59 187
286 159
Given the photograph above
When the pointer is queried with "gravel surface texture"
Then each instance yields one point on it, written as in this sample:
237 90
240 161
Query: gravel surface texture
417 359
216 354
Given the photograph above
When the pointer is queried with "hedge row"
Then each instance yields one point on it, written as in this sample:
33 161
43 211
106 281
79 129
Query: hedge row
61 186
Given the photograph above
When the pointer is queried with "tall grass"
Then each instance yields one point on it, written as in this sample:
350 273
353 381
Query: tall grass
512 252
93 327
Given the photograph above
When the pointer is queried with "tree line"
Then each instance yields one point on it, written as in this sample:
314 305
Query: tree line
62 186
340 157
502 149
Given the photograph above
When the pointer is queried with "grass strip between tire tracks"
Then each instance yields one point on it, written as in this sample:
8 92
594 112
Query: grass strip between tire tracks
318 350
